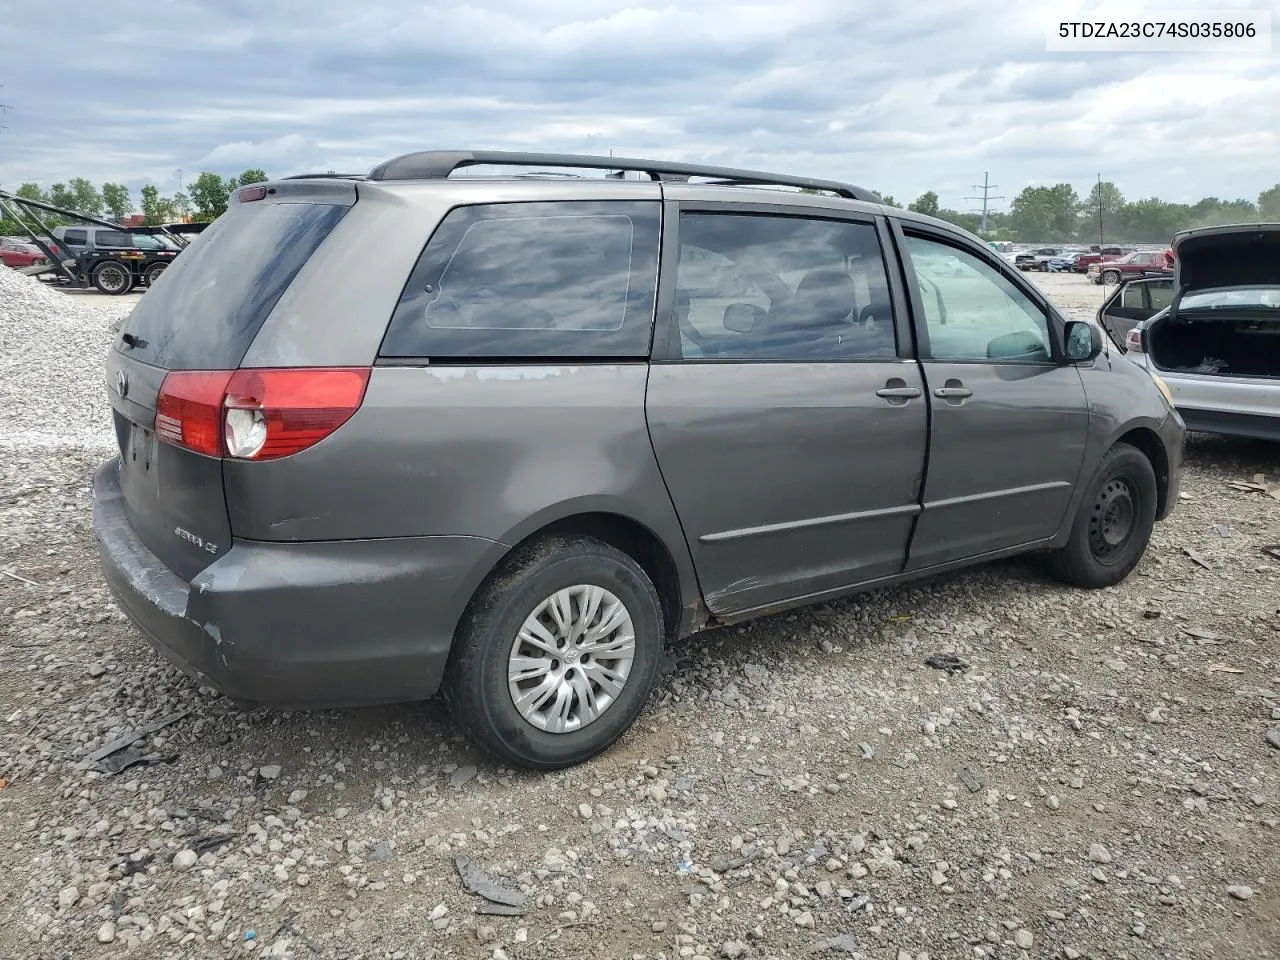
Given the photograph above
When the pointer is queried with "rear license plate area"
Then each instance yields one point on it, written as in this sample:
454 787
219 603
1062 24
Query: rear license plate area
141 452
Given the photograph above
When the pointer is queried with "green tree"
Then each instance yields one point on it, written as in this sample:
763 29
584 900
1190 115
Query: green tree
32 191
61 196
887 199
252 175
209 194
155 208
86 198
116 199
1045 213
1269 203
1107 198
926 203
965 221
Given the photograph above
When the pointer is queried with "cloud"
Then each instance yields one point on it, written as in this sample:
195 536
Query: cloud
903 99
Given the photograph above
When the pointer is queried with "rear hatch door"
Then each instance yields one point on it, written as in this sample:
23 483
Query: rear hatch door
202 315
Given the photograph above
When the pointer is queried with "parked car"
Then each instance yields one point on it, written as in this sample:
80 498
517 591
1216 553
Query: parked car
1134 301
385 435
1138 263
1036 259
1083 261
15 253
1217 344
116 261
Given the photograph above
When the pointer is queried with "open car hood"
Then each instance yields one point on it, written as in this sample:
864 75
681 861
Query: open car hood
1231 256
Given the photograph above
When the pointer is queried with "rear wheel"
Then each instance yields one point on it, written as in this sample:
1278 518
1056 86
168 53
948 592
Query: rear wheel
112 278
1113 522
153 273
557 653
1110 276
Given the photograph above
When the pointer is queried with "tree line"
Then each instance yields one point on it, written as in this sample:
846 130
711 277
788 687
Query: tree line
204 199
1057 214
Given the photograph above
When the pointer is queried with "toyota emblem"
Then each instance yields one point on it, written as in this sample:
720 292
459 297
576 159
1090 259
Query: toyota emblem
122 383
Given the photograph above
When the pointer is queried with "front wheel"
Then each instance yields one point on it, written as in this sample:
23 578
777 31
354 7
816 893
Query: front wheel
1110 277
556 654
153 273
1113 522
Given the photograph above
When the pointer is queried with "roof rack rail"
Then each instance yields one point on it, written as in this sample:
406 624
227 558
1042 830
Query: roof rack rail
440 164
325 176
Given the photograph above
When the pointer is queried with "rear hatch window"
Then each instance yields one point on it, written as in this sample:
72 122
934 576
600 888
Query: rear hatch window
217 294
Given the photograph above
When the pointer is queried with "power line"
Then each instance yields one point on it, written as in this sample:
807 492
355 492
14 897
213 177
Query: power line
986 187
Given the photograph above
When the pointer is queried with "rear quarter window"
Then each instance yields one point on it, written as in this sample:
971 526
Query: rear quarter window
561 280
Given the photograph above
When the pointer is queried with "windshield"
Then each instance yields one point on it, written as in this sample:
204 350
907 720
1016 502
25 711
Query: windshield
1233 298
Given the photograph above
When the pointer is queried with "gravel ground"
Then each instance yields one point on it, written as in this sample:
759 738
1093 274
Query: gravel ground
1097 784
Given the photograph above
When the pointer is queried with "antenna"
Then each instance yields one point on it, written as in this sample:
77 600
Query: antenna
1100 244
986 187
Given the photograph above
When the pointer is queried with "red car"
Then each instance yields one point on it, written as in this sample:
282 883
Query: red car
1133 265
16 254
1084 261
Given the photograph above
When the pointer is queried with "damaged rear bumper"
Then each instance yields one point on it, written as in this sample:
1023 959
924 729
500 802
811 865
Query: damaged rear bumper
301 624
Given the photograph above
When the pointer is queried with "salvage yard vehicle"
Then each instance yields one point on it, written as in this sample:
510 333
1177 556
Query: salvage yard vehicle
1138 263
115 261
15 253
1217 344
505 436
1134 301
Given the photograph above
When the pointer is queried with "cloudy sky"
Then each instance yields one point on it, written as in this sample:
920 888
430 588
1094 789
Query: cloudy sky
901 98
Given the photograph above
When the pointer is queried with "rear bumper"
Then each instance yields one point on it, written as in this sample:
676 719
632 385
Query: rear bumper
1231 424
303 625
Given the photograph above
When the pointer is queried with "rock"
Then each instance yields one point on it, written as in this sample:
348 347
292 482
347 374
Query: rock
462 775
585 811
1240 891
68 897
733 949
96 670
270 771
438 911
1273 737
381 851
805 920
1052 802
1024 939
297 797
1071 953
659 926
1099 854
107 932
1117 666
185 859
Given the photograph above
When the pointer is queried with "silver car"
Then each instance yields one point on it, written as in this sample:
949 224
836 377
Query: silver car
385 435
1217 343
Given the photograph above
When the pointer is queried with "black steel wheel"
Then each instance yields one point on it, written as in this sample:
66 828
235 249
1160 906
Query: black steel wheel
112 278
1113 521
153 273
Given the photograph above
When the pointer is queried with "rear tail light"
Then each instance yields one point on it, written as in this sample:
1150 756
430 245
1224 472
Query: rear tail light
257 414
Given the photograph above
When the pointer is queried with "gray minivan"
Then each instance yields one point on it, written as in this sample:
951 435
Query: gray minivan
506 435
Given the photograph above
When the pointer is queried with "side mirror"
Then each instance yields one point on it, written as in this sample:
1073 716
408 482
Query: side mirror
1083 342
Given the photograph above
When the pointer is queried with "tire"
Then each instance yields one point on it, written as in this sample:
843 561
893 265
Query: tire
1113 523
153 273
1110 277
112 278
479 686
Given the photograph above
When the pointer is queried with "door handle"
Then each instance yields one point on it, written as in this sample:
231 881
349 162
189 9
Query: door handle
897 392
953 391
907 393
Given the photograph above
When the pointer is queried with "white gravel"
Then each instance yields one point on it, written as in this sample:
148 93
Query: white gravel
51 388
800 782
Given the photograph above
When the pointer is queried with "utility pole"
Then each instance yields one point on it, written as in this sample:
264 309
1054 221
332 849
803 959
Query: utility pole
1100 212
986 187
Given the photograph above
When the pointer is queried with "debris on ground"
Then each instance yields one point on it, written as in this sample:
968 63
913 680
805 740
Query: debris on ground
845 943
130 737
478 882
947 663
972 783
1196 558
